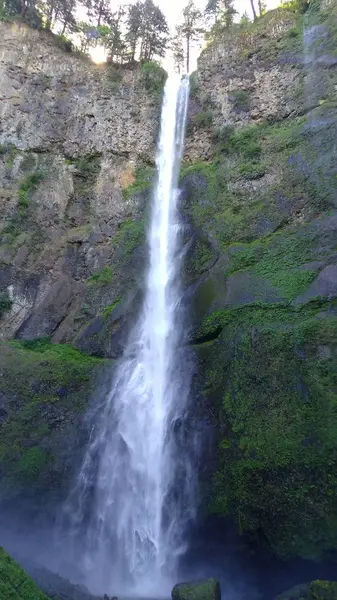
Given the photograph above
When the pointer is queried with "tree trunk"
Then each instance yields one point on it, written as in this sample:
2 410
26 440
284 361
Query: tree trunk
260 7
188 43
64 27
253 9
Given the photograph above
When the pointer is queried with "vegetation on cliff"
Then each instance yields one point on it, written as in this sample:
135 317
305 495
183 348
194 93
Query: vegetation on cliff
14 581
266 344
44 389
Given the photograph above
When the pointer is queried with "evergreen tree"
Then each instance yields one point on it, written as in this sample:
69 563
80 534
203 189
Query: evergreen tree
221 10
177 48
190 29
147 31
112 36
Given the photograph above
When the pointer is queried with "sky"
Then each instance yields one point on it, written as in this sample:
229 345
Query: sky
172 10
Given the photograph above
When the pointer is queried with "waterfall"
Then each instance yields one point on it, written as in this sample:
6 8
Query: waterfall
134 494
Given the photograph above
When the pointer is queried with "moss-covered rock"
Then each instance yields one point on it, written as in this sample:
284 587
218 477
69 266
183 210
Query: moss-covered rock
265 313
14 581
44 390
208 589
317 590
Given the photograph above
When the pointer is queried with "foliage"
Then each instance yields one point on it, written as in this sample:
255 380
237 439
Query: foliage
108 310
240 99
39 380
102 277
27 186
153 76
5 303
275 366
147 31
135 32
14 581
222 11
131 234
189 29
144 176
204 118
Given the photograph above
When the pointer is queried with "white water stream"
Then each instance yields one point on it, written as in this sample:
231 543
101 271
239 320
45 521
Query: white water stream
135 476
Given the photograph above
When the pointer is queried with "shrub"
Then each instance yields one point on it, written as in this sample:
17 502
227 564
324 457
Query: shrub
204 118
102 276
223 134
153 76
5 303
63 42
29 184
240 99
194 86
114 76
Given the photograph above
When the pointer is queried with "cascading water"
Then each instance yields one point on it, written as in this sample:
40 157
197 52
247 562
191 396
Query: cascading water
134 494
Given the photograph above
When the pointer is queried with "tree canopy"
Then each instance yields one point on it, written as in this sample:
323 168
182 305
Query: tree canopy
135 32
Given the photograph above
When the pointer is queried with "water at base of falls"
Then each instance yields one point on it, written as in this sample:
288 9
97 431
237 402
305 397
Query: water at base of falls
135 492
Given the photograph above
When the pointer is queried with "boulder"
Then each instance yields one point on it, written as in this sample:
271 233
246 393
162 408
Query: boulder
316 590
206 589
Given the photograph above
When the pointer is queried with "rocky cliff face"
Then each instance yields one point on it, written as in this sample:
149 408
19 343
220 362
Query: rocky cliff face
74 138
259 189
264 197
71 138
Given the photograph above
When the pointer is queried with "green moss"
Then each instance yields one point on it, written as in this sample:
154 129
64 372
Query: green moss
153 77
317 590
289 153
278 259
26 187
14 581
279 427
131 234
240 99
209 589
32 462
107 312
5 303
103 276
9 151
144 176
41 383
204 118
322 590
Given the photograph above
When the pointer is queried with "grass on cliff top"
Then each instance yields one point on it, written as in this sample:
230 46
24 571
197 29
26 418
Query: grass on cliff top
15 584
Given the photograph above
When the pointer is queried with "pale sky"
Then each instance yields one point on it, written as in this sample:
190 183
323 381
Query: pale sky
172 10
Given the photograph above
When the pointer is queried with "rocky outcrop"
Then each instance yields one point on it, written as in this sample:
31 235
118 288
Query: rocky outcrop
264 332
72 137
208 589
317 590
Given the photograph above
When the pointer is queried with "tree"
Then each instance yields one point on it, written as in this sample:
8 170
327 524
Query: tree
262 7
112 36
98 11
190 28
147 31
60 12
253 9
177 48
221 10
134 26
